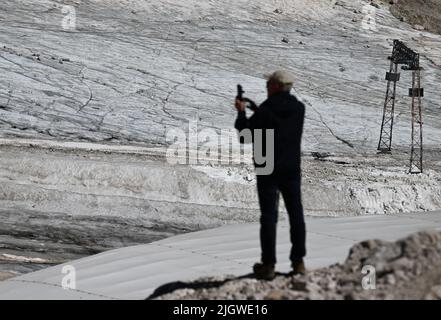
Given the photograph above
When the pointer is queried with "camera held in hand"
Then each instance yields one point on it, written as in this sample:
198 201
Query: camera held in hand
250 103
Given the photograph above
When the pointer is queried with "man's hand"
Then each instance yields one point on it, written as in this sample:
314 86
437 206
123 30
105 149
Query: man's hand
240 105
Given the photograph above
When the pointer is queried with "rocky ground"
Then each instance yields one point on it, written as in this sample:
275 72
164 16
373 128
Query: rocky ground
406 269
422 14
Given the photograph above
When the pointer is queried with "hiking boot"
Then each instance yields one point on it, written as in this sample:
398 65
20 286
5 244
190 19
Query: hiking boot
298 267
264 271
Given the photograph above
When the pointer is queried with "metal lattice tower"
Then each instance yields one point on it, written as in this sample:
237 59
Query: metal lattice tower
410 60
392 76
416 154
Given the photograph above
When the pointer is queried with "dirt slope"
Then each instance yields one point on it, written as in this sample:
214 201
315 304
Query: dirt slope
426 13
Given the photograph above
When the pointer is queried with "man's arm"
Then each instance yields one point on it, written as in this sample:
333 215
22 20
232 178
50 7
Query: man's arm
256 121
242 122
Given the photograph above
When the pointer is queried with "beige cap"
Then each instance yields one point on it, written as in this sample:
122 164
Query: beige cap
280 76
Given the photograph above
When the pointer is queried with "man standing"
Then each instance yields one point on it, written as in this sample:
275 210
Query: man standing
284 114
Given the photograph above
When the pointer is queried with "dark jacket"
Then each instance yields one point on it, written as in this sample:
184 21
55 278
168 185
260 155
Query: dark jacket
285 114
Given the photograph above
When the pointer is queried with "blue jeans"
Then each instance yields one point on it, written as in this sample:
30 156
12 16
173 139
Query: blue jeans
268 188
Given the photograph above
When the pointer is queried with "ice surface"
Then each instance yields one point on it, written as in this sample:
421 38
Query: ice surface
134 69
